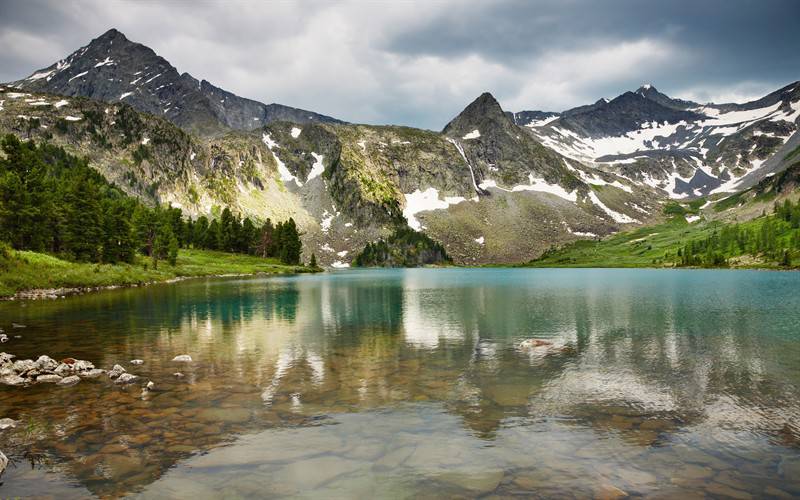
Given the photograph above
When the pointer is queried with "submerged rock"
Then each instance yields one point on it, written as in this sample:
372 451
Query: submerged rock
17 325
182 358
49 378
137 362
178 375
126 378
93 373
531 343
71 380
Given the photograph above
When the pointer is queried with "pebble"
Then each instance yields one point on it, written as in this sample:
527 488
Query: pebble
50 377
137 362
178 375
182 358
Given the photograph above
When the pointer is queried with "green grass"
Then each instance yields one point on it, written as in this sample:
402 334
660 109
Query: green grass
642 247
651 246
23 270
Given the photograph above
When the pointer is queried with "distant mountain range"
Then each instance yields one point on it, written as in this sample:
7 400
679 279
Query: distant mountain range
682 147
112 68
493 186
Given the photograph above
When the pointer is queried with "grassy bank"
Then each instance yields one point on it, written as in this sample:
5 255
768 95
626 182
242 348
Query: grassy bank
665 245
22 270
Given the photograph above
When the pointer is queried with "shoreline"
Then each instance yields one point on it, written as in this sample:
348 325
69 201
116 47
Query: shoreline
63 292
36 276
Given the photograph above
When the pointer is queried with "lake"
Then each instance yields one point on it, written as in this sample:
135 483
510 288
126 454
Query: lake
414 383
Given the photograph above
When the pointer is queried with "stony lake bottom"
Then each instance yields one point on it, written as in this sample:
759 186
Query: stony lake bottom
413 383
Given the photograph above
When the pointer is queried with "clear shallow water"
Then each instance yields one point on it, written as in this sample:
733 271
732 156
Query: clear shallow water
408 383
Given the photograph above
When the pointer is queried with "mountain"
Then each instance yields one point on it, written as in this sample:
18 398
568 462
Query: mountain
496 195
680 147
492 187
113 69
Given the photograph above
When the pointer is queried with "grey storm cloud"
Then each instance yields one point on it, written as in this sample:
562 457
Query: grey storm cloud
420 63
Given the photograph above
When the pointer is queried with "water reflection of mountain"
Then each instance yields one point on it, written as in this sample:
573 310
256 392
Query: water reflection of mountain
627 359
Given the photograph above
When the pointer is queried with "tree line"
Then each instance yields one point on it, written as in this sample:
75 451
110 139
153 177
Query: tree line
774 237
51 201
403 248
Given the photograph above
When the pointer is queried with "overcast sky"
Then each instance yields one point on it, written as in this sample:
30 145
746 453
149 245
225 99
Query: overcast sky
420 63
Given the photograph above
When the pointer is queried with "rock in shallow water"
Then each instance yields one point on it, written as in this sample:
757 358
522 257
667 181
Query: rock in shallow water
63 369
7 423
13 380
23 366
82 365
137 362
182 358
94 373
126 378
71 380
116 371
49 378
46 363
3 462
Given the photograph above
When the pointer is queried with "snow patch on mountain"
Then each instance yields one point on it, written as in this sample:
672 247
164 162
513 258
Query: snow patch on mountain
617 216
78 75
286 176
317 168
107 61
422 201
473 135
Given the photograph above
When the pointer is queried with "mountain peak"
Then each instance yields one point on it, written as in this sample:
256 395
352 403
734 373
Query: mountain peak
109 37
111 33
484 112
112 68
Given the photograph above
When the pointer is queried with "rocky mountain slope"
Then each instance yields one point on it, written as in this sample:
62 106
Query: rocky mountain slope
495 195
113 69
681 147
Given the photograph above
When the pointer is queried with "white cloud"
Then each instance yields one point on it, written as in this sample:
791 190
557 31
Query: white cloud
738 92
342 58
560 79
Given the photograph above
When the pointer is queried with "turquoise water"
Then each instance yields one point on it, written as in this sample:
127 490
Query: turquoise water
407 383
